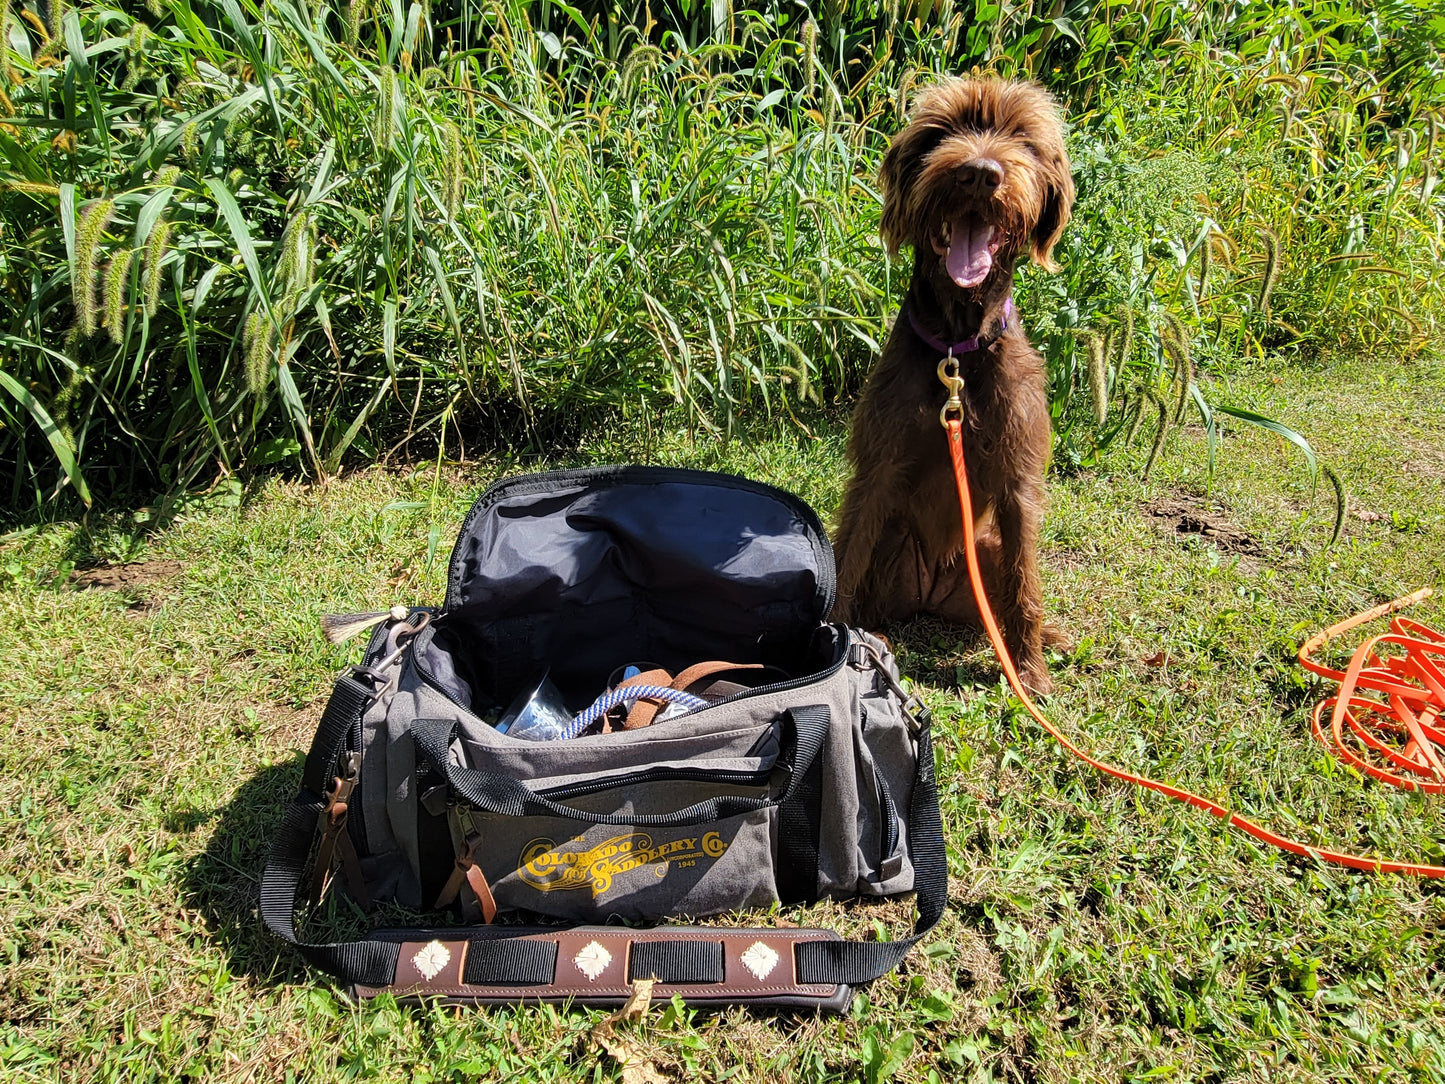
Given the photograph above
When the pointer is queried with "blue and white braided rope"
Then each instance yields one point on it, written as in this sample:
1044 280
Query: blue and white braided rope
607 701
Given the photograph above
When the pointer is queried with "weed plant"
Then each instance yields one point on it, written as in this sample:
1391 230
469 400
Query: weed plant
239 235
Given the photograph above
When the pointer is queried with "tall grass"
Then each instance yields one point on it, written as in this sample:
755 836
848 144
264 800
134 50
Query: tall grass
237 235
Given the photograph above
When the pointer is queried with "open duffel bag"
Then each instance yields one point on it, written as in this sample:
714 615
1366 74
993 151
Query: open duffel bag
809 775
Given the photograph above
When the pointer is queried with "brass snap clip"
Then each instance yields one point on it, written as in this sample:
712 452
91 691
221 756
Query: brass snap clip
948 374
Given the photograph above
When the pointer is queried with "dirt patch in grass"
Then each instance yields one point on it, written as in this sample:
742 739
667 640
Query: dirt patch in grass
1426 464
1186 515
129 577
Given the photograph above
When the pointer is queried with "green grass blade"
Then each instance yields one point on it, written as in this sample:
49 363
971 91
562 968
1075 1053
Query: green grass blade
241 235
296 407
333 457
75 43
64 453
1280 430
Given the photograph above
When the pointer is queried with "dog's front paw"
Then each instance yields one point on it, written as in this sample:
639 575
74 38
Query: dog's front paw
1036 679
1058 639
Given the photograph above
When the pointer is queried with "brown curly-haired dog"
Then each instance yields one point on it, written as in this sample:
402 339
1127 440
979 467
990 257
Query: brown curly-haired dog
979 177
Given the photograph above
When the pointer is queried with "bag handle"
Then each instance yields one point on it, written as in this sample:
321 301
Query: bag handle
804 732
493 964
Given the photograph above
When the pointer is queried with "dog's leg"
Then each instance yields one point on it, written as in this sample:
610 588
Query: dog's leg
1019 596
870 503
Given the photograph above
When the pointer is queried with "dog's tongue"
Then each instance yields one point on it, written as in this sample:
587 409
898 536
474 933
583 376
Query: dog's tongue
969 257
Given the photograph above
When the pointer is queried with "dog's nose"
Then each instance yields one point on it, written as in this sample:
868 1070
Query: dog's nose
980 177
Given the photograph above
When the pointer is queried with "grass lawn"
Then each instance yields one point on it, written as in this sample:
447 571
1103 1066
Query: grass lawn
156 718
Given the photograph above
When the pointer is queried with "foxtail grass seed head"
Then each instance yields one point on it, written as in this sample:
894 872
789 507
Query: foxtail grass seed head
257 341
296 267
639 62
1174 337
37 24
167 176
191 144
62 407
117 293
35 188
1271 270
135 51
88 232
385 106
1137 404
66 142
1205 251
905 87
454 168
1160 433
1098 379
157 245
810 55
7 71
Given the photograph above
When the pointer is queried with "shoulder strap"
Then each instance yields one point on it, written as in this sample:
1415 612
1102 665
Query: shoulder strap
354 961
706 965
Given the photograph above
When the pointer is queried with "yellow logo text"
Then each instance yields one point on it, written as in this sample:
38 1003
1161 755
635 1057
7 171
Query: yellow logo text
549 868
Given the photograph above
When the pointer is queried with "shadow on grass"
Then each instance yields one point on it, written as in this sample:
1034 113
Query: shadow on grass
224 881
954 657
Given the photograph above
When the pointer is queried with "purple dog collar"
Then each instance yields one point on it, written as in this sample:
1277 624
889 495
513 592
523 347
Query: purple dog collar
968 346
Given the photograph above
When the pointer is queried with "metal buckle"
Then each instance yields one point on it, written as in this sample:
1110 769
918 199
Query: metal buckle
948 374
913 708
378 675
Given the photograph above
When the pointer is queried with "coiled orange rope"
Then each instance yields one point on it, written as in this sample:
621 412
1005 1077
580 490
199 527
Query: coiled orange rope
1410 714
1397 738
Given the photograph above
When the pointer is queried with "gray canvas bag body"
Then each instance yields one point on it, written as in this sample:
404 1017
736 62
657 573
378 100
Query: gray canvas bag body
816 782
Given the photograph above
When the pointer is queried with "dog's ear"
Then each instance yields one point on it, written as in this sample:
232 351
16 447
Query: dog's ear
901 167
1058 206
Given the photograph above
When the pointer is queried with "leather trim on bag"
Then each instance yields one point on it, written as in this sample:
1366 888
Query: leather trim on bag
593 965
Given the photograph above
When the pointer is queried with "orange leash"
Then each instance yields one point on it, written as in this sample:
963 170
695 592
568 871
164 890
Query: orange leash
1400 737
1415 683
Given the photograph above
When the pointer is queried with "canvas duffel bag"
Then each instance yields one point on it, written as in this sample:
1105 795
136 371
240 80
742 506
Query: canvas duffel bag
813 779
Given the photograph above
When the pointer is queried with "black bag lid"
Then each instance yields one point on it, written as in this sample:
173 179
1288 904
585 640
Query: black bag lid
739 554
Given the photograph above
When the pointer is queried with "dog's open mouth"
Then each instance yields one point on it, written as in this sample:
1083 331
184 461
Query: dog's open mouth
967 250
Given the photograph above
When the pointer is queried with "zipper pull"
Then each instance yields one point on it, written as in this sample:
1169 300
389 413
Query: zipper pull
338 628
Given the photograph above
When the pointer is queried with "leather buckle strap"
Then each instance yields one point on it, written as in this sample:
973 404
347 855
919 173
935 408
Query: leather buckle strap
596 965
467 871
331 822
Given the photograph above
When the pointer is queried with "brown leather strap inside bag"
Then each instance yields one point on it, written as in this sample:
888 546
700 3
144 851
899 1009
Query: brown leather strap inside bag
644 712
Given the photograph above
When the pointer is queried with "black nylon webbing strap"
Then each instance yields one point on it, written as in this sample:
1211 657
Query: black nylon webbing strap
349 699
800 819
505 796
370 962
676 961
510 961
854 962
